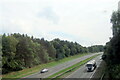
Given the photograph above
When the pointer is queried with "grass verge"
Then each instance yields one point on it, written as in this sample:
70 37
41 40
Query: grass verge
29 71
72 68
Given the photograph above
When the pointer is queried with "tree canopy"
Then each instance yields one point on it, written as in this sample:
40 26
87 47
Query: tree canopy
112 48
22 51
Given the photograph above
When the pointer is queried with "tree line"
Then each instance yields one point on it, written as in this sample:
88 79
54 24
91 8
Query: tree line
21 51
0 54
112 48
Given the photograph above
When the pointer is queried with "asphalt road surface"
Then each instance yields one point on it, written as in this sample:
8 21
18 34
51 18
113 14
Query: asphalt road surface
60 67
82 71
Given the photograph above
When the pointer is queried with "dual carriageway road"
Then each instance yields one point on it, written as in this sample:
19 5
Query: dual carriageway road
79 73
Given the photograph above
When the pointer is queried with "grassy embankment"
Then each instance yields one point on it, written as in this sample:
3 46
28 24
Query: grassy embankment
64 72
29 71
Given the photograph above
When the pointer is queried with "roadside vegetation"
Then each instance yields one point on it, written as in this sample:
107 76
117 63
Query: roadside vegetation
28 71
0 56
21 51
112 49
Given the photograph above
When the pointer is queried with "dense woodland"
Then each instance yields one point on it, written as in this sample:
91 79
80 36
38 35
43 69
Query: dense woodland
22 51
112 48
0 53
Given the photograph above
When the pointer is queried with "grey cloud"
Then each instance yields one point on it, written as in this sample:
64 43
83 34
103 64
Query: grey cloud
49 14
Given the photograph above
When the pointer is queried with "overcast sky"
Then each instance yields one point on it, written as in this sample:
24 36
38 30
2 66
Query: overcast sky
84 21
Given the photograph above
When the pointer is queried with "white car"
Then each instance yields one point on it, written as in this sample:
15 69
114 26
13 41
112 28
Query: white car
44 70
100 57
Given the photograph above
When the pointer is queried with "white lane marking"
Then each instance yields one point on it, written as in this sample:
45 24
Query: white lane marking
71 74
94 70
78 69
93 73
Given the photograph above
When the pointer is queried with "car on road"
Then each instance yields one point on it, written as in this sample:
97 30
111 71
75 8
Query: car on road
100 57
44 70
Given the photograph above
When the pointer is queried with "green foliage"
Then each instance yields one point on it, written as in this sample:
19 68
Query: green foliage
22 51
115 69
115 20
112 48
9 51
96 48
0 48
